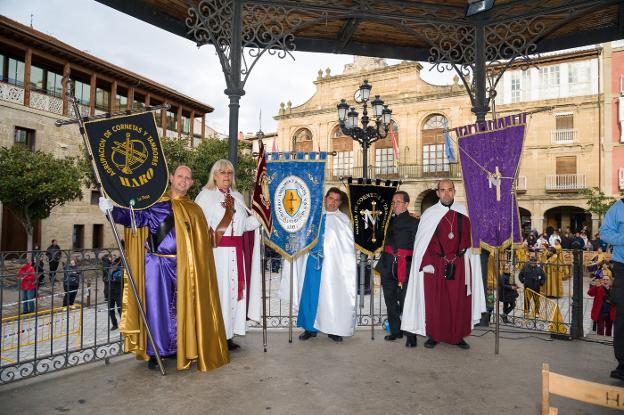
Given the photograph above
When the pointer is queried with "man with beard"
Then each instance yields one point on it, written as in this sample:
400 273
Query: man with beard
445 296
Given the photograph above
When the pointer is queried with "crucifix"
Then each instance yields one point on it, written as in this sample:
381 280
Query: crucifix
495 179
371 215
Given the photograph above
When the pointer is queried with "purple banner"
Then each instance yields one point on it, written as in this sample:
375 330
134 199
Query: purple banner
489 154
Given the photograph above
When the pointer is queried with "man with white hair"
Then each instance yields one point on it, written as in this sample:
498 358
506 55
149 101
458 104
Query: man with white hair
236 249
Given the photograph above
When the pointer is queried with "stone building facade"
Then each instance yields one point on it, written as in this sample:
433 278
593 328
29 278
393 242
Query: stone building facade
34 72
561 154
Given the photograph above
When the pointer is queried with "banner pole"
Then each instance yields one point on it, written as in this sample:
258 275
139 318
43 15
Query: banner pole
290 302
372 300
496 287
264 319
109 216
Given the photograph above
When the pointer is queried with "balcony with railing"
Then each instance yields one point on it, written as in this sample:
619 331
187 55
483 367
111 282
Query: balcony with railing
11 93
567 136
565 182
45 102
405 172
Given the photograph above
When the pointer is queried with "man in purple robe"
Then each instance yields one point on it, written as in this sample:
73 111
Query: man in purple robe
168 249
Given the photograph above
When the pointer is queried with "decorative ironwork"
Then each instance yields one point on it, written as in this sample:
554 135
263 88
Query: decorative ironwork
264 28
11 93
46 103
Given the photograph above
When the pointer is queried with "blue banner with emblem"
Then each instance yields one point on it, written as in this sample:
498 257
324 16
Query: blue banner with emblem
296 187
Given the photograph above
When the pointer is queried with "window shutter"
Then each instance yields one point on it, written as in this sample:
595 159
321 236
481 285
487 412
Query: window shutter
566 165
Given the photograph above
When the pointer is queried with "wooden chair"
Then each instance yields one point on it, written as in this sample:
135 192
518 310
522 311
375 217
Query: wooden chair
579 390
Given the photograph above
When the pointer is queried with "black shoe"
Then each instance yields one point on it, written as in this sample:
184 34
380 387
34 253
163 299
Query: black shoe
463 345
616 374
430 343
411 341
232 345
152 363
504 318
114 327
392 337
335 338
306 335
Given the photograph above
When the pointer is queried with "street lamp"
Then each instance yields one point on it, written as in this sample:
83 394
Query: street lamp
367 134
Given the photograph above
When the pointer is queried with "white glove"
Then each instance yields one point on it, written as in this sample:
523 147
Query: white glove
105 205
429 269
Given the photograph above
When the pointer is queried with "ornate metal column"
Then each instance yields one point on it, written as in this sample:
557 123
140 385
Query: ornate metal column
231 26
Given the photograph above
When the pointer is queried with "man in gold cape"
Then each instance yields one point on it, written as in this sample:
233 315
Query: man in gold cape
197 332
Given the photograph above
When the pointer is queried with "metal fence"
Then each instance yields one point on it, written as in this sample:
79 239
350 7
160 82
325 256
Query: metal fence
56 325
59 333
370 305
561 307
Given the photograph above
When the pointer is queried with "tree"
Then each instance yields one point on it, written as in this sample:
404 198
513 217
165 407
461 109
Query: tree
34 183
597 202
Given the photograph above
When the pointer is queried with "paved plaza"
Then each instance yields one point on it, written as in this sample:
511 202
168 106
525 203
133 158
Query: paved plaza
358 376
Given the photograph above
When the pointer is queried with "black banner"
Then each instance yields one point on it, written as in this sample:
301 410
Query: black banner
129 159
371 207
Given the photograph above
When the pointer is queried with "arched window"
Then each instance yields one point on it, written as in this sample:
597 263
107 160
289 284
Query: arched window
387 152
302 140
434 156
342 162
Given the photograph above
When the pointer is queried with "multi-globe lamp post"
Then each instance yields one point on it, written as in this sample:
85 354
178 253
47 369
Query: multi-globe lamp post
365 135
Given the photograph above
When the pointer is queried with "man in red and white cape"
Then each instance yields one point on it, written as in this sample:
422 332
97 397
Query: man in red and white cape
444 301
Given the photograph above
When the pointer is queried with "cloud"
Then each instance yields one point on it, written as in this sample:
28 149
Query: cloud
176 62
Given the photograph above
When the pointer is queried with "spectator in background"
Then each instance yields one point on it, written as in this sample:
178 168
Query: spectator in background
566 240
542 242
113 290
107 261
578 240
28 286
507 293
554 237
54 256
37 262
532 277
71 282
603 312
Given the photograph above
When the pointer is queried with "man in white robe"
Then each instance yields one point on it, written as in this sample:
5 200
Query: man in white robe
414 316
238 271
327 299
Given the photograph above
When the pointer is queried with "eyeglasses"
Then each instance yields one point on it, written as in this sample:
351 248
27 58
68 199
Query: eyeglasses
226 172
396 202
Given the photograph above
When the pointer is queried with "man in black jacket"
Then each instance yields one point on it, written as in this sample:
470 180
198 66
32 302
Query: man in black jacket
395 264
54 256
532 276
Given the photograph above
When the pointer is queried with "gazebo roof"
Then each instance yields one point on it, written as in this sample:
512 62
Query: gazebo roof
399 29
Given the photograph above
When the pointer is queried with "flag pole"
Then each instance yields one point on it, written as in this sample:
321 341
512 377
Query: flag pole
264 319
80 121
290 302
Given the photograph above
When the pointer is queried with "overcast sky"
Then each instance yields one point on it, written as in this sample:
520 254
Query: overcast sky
178 63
